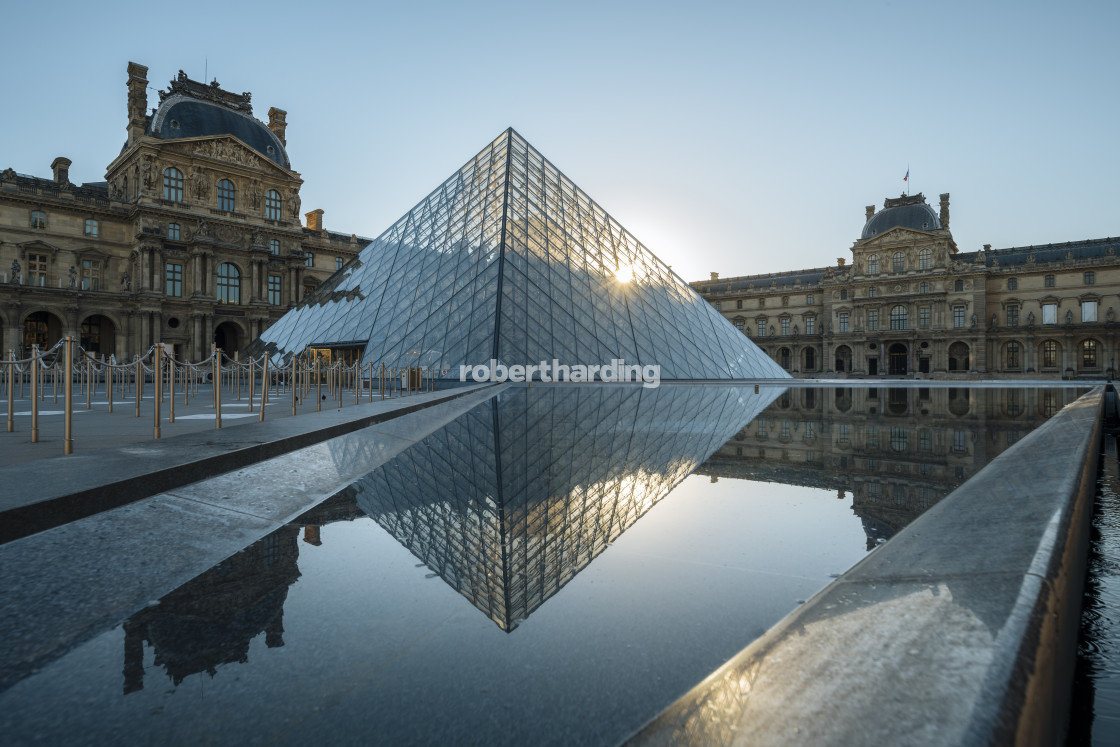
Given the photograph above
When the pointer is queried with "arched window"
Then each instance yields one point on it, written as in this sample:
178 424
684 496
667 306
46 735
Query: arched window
173 184
925 259
873 264
229 284
227 196
1049 354
1013 360
272 205
898 317
898 262
1089 350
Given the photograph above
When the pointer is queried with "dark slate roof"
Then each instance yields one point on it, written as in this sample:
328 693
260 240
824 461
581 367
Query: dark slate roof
762 282
1018 255
180 116
911 214
90 190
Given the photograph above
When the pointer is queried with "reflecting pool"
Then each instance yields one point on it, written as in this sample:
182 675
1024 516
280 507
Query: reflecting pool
555 566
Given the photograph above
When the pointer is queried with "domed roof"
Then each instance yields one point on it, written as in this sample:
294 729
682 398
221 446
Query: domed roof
192 109
908 211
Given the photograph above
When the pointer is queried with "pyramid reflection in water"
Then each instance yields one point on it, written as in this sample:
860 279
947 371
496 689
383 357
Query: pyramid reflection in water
509 260
509 502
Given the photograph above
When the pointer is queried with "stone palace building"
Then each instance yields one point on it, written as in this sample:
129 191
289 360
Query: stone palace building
910 303
195 237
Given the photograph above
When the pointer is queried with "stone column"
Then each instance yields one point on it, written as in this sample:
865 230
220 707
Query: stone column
196 272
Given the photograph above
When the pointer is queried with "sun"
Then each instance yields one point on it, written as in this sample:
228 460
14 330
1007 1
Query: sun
624 273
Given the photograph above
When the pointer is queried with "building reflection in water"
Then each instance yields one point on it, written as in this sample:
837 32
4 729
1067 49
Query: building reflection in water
507 504
895 451
210 620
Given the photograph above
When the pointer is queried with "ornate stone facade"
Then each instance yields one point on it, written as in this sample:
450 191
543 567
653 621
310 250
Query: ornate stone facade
911 304
193 238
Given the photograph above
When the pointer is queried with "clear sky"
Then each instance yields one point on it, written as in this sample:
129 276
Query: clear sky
738 137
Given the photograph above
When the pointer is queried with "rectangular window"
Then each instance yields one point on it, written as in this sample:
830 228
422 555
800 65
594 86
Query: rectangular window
1090 277
38 219
810 325
872 320
739 324
37 269
1049 281
174 233
809 299
762 327
810 429
1088 311
274 290
923 439
923 317
872 436
91 274
309 261
958 316
274 246
959 440
92 228
785 326
174 279
844 434
1013 354
337 263
1049 313
739 303
843 321
1012 316
843 294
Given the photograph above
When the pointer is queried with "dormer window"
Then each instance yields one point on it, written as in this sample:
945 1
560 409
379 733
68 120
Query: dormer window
226 195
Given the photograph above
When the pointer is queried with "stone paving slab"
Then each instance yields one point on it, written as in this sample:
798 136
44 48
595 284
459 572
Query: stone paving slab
48 492
70 583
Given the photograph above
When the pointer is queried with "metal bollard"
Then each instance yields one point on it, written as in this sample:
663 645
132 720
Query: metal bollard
158 381
264 387
34 394
11 390
68 441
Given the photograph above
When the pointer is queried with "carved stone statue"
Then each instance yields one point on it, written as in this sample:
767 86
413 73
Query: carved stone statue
972 321
255 195
126 282
257 239
995 320
202 230
293 204
1030 319
149 167
73 277
1109 314
200 183
1069 317
16 272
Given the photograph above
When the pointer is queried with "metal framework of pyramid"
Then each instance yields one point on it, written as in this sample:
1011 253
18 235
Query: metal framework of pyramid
508 259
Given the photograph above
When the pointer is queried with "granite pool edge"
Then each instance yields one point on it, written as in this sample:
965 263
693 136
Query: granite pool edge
920 643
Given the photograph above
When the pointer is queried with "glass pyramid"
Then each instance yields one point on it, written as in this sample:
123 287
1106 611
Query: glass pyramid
509 260
509 502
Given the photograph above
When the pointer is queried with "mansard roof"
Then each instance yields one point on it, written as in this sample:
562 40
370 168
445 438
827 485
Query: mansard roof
1021 255
762 282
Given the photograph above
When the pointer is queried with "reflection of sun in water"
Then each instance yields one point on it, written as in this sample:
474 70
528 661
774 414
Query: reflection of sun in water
624 273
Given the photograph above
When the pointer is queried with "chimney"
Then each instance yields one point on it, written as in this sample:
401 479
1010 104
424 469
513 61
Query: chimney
715 276
840 261
61 168
278 123
945 210
315 219
137 101
868 212
987 247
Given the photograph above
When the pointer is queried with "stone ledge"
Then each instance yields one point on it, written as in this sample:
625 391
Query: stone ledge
51 492
960 630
